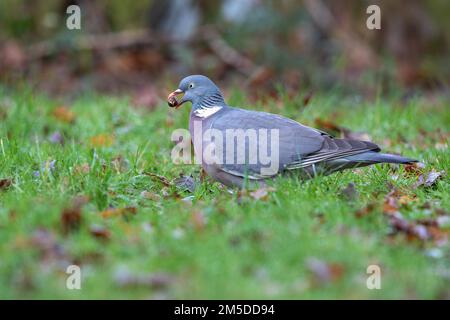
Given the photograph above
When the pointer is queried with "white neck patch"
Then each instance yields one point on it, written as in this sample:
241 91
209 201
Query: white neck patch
206 112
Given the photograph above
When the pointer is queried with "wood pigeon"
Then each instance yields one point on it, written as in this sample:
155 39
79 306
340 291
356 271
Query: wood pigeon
239 147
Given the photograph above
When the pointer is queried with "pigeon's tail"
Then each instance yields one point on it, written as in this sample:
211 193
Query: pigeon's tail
372 157
364 159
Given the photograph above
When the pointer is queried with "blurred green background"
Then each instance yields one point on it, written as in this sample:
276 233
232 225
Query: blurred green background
138 46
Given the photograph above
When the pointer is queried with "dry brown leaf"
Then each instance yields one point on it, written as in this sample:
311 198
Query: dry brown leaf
406 199
428 229
5 183
71 217
439 236
64 114
365 210
415 168
390 205
115 212
101 140
100 232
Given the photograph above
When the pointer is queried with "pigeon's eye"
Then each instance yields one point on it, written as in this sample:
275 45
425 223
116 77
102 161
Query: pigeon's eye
191 85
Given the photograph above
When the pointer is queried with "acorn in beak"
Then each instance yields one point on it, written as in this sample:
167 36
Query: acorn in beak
172 100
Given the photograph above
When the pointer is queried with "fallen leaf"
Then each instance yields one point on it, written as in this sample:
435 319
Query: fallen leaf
365 210
422 229
71 217
115 212
399 224
439 236
5 183
101 140
390 205
406 199
428 229
185 183
64 114
433 177
415 168
99 232
261 193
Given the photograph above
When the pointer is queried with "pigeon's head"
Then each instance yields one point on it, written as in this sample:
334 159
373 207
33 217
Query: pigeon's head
199 90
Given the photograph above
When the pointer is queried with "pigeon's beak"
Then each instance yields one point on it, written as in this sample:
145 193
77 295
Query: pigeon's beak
172 100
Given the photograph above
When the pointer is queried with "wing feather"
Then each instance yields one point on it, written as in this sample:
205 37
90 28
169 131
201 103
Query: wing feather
299 146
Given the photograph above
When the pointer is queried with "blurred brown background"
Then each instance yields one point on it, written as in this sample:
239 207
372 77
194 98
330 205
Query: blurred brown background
143 47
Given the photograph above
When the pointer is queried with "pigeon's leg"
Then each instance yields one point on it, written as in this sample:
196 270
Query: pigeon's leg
231 180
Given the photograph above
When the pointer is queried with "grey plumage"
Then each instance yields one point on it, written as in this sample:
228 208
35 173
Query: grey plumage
302 150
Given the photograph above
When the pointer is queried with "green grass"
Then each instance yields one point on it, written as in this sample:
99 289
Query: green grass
217 246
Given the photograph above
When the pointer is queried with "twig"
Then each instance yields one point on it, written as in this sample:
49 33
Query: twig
95 42
142 38
226 53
